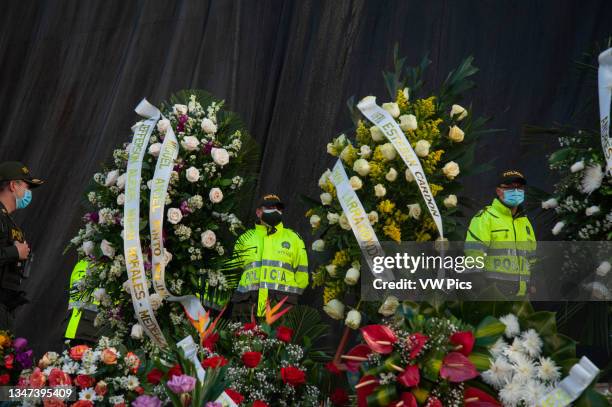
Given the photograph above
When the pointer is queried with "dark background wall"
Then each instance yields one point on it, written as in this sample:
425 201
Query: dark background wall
71 73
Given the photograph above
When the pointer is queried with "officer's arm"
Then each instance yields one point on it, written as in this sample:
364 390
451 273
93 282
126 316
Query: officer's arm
301 266
8 251
478 238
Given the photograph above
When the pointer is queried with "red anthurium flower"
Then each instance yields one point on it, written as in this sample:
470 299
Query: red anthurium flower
473 397
410 377
356 356
210 341
379 338
84 380
464 341
408 400
339 397
366 386
155 376
433 402
416 342
259 403
249 326
457 368
333 368
293 376
214 362
251 359
234 395
284 334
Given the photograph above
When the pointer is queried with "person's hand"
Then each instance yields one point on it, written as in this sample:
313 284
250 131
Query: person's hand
23 249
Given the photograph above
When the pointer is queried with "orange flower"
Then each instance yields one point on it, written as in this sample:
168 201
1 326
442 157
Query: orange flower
109 356
76 352
132 361
5 341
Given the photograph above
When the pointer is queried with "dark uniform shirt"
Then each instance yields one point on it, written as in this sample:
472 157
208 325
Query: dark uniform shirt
11 267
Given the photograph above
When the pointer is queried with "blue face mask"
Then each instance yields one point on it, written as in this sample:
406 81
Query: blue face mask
513 197
24 200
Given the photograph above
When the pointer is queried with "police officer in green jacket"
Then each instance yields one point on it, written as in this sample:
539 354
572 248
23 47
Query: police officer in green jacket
82 311
16 184
502 234
274 261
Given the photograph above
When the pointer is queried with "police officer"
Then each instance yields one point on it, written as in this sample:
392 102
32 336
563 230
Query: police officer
274 261
16 184
502 234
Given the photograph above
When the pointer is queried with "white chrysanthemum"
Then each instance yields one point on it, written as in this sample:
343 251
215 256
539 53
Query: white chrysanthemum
547 370
524 369
88 394
132 382
532 343
533 392
499 373
512 325
511 393
514 352
498 348
592 178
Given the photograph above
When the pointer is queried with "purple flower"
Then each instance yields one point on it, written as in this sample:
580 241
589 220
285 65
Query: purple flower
185 209
181 384
208 147
92 217
147 265
25 359
20 344
214 404
181 122
146 401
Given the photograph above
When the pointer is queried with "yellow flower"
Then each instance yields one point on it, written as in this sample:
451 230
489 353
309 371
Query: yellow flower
430 163
341 258
435 188
386 206
378 155
422 236
309 213
377 171
5 341
362 133
332 290
318 277
425 108
393 232
401 100
429 130
400 217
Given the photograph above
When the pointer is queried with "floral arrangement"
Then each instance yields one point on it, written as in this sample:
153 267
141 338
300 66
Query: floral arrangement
443 135
211 184
105 374
15 356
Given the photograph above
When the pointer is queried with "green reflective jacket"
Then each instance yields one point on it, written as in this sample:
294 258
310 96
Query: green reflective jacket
508 243
75 305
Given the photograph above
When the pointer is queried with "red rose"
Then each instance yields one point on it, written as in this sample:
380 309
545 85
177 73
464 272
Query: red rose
101 388
84 380
4 378
284 334
139 390
210 341
293 376
259 403
175 371
83 403
340 397
251 359
214 362
155 376
333 368
8 361
76 352
234 395
57 377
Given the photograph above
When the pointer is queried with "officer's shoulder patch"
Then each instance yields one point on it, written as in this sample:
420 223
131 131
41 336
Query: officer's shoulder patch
286 245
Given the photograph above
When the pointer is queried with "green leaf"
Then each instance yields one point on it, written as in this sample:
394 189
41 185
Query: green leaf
591 398
480 360
488 331
543 322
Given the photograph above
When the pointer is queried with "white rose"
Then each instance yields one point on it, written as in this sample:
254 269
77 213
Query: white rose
126 287
414 210
120 199
163 125
121 181
326 198
577 166
209 126
361 167
391 175
208 239
107 249
557 228
550 204
88 247
388 307
220 156
376 133
388 151
331 270
365 151
111 178
603 269
592 210
167 257
355 182
192 174
373 217
422 148
450 201
99 293
353 319
179 109
380 190
315 221
344 223
392 108
318 245
324 178
408 175
335 309
352 276
215 195
156 301
458 110
154 149
451 170
174 215
190 143
456 134
137 331
408 122
333 218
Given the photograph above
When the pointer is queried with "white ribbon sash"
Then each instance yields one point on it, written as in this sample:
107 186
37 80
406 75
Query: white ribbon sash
357 218
131 221
570 388
381 118
605 94
159 188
